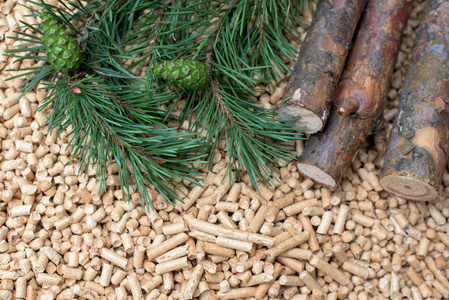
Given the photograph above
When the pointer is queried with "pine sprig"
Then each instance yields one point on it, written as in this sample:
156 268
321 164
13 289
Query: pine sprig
256 141
100 131
241 41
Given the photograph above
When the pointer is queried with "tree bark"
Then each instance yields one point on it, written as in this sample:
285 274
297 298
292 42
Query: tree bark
418 148
361 96
320 62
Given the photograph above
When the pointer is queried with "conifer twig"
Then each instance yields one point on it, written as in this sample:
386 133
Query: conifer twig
225 38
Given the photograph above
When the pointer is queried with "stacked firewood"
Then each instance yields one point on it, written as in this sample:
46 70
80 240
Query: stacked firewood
347 111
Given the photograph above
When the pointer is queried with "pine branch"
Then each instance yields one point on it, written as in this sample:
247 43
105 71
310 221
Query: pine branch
101 132
240 41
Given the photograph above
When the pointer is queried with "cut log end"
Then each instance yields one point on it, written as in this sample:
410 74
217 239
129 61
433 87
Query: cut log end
316 174
409 188
306 118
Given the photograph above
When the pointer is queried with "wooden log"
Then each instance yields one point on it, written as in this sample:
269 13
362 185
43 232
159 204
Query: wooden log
418 148
314 80
361 95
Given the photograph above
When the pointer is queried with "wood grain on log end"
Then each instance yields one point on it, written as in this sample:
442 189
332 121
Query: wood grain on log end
305 118
409 188
316 174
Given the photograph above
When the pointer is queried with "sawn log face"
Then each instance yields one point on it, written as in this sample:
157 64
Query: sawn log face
418 146
361 96
320 63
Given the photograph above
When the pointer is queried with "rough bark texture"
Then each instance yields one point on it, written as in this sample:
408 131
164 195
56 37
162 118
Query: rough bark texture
418 148
320 62
361 96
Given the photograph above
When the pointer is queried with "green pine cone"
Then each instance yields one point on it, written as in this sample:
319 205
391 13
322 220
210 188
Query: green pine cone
190 74
63 51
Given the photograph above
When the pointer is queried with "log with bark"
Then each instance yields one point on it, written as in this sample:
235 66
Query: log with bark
361 96
320 62
418 148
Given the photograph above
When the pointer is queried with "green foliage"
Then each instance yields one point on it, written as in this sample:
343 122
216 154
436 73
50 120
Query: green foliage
240 41
115 108
108 122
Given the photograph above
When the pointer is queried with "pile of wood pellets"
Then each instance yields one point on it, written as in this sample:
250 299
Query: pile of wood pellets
62 239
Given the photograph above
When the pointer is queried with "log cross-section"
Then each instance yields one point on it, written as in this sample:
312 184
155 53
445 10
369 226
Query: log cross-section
361 96
320 62
418 148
